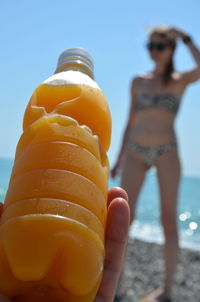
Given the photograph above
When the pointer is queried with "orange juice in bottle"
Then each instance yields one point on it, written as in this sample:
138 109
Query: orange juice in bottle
54 215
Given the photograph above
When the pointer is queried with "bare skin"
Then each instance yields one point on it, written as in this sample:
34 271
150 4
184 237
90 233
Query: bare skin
154 127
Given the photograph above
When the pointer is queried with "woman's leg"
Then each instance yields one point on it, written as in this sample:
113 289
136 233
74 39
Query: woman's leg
132 179
133 175
168 172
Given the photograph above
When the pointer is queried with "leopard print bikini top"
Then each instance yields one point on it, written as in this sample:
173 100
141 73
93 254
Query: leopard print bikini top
166 101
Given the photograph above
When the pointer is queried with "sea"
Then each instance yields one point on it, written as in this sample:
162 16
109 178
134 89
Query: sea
147 222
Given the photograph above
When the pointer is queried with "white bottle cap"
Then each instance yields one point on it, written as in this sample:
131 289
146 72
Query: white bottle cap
75 55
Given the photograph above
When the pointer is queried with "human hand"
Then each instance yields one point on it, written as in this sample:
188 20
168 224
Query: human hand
116 236
118 221
177 33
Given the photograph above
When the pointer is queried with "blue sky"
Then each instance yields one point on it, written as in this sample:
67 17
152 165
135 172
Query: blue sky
33 33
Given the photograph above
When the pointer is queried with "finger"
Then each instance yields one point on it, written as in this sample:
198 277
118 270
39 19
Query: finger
115 245
116 192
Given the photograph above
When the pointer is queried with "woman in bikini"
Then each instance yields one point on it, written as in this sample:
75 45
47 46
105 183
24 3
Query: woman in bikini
149 139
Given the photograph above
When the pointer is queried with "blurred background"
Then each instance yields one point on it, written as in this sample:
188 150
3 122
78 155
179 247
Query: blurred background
34 33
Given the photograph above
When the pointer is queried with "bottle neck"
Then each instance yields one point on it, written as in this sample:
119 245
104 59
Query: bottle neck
75 67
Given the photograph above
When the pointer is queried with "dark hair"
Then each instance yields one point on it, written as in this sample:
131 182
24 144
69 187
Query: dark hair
163 32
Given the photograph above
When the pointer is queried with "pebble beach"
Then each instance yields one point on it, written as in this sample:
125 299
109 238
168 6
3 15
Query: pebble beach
144 272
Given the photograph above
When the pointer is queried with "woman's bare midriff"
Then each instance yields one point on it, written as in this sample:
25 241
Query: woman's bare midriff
153 128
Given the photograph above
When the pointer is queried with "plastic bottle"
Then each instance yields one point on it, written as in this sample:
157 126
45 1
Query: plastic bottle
54 215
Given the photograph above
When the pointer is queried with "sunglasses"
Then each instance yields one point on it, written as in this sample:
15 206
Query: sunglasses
156 46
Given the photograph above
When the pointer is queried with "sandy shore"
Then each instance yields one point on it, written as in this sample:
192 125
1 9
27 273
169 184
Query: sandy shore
144 272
